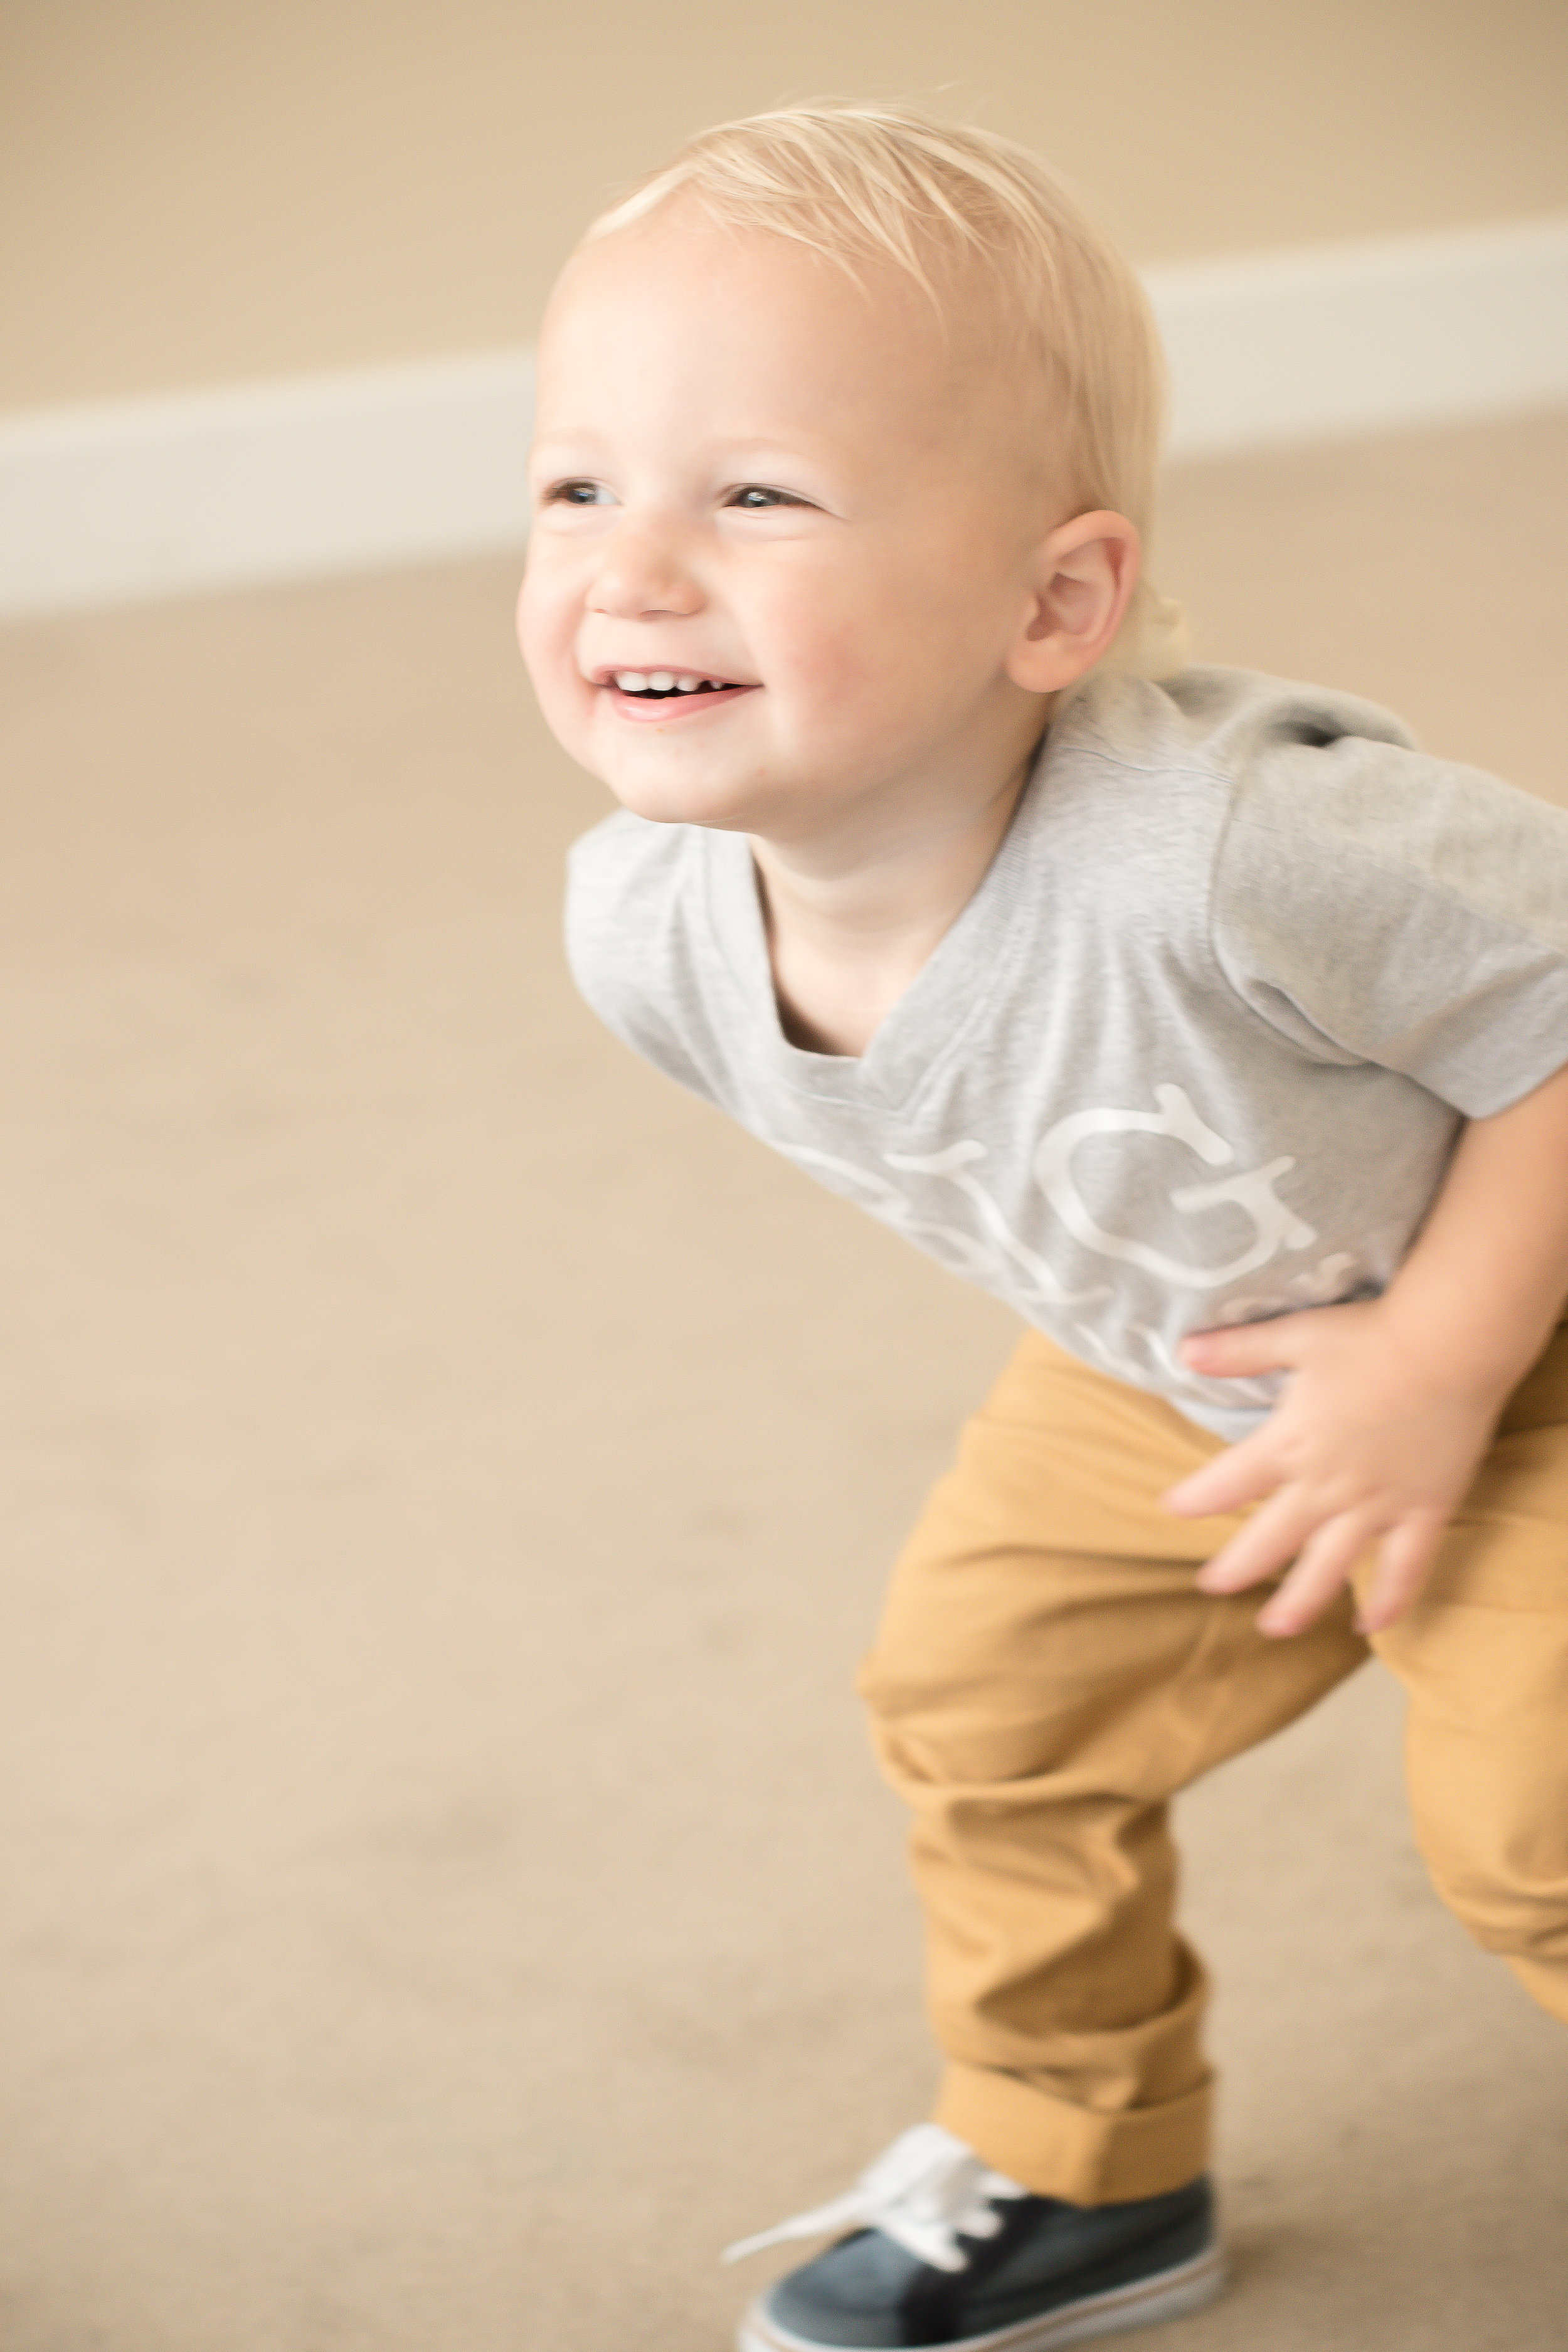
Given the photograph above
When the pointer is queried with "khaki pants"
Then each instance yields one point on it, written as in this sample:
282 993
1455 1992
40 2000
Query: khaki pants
1046 1676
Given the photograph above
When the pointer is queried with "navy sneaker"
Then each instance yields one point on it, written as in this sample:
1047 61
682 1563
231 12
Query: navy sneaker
943 2253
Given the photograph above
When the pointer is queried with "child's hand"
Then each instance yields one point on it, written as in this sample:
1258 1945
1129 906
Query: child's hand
1370 1443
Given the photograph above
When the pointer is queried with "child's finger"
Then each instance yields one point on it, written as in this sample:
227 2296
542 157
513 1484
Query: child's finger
1268 1543
1404 1563
1322 1570
1242 1474
1243 1350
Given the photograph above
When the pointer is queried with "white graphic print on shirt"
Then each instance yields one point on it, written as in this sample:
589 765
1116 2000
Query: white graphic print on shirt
1276 1227
998 1257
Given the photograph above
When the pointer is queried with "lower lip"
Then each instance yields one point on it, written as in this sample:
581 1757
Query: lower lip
644 712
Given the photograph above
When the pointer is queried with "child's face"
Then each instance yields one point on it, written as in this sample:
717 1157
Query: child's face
751 472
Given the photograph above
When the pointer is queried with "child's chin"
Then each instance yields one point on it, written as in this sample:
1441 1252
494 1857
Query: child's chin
680 801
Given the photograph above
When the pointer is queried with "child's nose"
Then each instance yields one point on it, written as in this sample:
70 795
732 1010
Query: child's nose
642 573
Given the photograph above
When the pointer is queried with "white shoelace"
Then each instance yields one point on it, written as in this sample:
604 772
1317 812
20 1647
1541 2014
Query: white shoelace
924 2192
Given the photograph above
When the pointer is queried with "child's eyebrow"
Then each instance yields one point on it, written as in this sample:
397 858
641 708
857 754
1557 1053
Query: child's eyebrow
564 436
762 444
798 450
739 453
727 445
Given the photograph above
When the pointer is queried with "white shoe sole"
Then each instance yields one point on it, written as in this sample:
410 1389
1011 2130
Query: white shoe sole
1170 2296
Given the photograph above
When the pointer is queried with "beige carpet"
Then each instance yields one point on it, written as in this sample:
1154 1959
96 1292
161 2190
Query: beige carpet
449 1475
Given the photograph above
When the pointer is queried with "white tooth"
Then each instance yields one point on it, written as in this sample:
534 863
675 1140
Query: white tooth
687 685
660 680
630 681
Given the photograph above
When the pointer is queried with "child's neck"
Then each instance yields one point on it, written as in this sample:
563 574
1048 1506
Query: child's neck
850 923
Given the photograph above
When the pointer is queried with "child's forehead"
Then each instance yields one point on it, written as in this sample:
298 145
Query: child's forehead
685 254
679 294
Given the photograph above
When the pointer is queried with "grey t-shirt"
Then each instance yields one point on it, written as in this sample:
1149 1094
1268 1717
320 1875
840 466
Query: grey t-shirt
1196 1050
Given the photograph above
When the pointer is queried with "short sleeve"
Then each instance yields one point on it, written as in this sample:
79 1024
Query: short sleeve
629 948
1374 905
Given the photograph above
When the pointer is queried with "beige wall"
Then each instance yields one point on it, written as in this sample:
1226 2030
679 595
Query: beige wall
199 190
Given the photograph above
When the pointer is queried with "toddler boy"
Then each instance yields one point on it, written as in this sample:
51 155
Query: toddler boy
1196 1014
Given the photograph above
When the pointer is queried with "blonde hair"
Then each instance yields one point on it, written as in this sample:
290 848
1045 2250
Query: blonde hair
954 206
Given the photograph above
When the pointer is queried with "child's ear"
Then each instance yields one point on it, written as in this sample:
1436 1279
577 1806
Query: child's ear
1085 572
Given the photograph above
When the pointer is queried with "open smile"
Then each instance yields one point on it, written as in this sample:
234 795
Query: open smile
662 695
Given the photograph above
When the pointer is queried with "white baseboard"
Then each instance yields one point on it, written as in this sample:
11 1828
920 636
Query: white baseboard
246 483
105 503
1363 338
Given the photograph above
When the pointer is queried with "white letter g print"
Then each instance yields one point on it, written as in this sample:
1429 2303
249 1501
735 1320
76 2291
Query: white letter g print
1277 1227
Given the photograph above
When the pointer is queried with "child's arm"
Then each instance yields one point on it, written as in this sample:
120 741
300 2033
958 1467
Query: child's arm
1391 1404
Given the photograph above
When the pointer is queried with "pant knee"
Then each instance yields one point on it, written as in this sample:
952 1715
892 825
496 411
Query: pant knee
1517 1923
1509 1890
934 1731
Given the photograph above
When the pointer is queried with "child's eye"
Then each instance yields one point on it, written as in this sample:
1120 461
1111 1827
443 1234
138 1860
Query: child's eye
755 497
576 494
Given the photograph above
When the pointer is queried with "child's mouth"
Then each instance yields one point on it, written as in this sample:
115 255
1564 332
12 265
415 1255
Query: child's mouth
663 683
662 693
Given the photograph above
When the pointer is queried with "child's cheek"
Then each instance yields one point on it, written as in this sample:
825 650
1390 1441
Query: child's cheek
834 653
863 675
546 636
565 699
531 611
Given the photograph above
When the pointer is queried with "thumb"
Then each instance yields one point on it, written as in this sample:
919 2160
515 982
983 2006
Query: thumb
1243 1348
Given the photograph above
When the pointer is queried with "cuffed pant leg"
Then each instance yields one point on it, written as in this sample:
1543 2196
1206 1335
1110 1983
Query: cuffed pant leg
1046 1677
